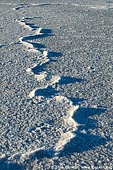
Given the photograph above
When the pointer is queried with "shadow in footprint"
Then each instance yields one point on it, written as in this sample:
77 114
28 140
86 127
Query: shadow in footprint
1 45
6 165
28 18
40 68
54 54
37 45
22 6
42 153
33 26
67 80
83 140
45 33
76 100
46 92
45 4
82 114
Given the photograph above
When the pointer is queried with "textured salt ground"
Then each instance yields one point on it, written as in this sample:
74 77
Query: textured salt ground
79 60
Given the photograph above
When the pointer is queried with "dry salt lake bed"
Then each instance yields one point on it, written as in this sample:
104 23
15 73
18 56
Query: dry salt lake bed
56 59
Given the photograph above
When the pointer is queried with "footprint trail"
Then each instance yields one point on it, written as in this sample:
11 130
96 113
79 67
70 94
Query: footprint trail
49 90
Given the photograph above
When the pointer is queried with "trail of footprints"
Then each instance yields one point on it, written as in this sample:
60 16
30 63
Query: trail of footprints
90 6
50 80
